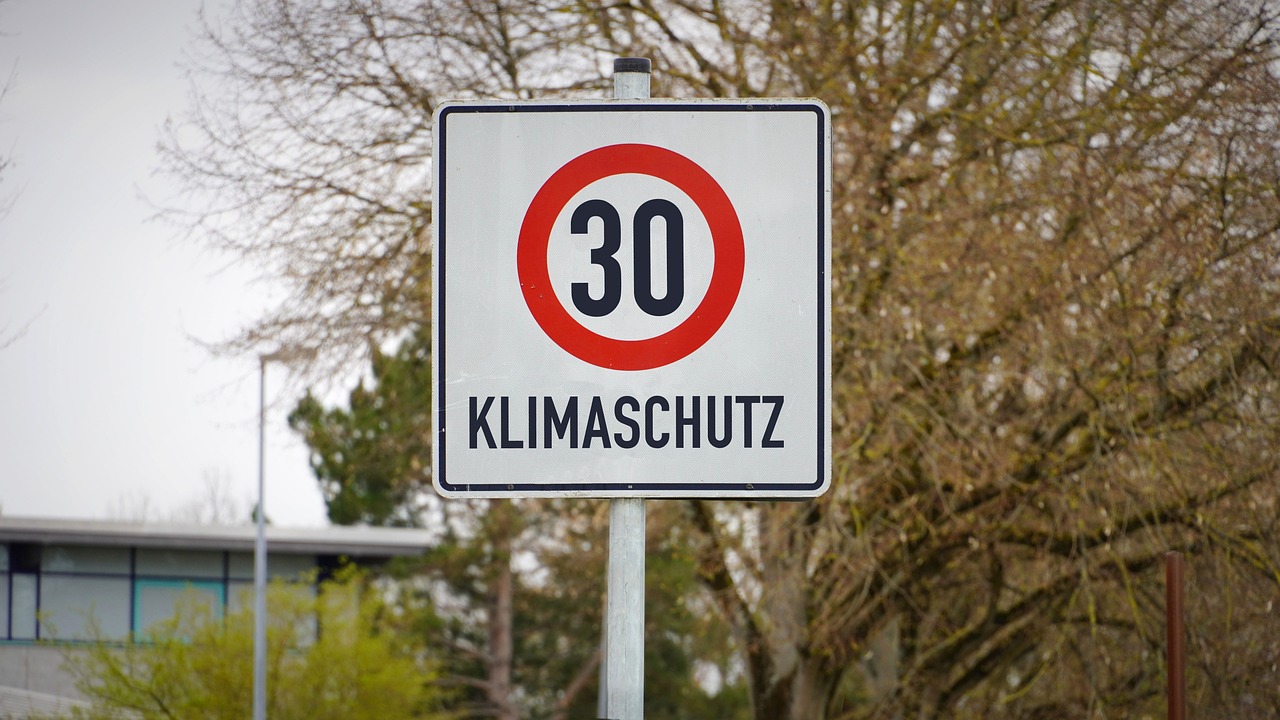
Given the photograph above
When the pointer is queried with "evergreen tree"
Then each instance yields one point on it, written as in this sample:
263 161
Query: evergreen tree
373 457
510 596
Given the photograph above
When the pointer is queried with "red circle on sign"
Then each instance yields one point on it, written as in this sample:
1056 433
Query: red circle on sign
535 236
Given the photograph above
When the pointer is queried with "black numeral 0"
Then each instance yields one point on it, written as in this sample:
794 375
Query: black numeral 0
642 231
667 304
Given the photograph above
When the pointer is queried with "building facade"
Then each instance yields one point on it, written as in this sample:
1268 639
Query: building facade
64 582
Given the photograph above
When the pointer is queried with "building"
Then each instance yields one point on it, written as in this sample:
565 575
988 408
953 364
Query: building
57 574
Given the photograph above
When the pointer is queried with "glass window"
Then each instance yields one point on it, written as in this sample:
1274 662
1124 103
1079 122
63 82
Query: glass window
69 605
288 567
308 628
24 558
158 600
240 592
4 560
240 598
239 595
240 565
23 619
179 563
84 559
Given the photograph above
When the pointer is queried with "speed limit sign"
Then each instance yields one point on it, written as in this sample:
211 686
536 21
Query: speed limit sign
632 299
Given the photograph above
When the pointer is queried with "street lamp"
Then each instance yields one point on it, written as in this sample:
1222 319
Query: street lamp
284 355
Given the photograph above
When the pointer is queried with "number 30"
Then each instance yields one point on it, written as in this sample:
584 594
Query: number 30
603 256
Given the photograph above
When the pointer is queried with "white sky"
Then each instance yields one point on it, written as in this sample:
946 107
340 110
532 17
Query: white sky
107 402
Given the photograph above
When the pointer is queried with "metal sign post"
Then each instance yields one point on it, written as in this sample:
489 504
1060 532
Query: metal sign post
631 301
624 613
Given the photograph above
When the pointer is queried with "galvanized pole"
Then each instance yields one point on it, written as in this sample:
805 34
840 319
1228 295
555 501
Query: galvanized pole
286 354
624 614
1176 649
260 558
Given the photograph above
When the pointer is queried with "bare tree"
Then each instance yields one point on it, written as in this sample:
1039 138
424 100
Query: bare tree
213 505
1055 330
216 504
131 507
315 165
1055 304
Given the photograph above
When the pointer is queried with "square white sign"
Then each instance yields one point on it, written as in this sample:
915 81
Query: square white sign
632 299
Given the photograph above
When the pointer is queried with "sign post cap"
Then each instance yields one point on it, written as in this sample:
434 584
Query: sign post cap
633 64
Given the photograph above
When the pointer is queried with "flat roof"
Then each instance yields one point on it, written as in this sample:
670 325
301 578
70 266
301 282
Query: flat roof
350 541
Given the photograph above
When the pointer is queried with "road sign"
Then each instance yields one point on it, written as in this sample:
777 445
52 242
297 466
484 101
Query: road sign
632 299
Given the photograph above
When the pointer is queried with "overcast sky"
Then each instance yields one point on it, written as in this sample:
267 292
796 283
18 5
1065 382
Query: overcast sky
107 402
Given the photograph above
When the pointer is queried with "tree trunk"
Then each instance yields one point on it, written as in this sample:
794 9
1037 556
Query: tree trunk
787 683
800 694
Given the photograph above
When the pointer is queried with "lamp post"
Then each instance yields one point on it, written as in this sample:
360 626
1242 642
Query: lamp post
282 355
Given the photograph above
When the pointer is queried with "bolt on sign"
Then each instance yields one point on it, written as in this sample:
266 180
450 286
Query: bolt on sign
632 299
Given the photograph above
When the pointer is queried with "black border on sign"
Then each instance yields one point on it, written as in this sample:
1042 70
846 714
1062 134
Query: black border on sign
722 491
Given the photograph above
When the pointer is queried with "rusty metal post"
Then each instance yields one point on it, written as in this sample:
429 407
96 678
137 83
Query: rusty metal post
1176 648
